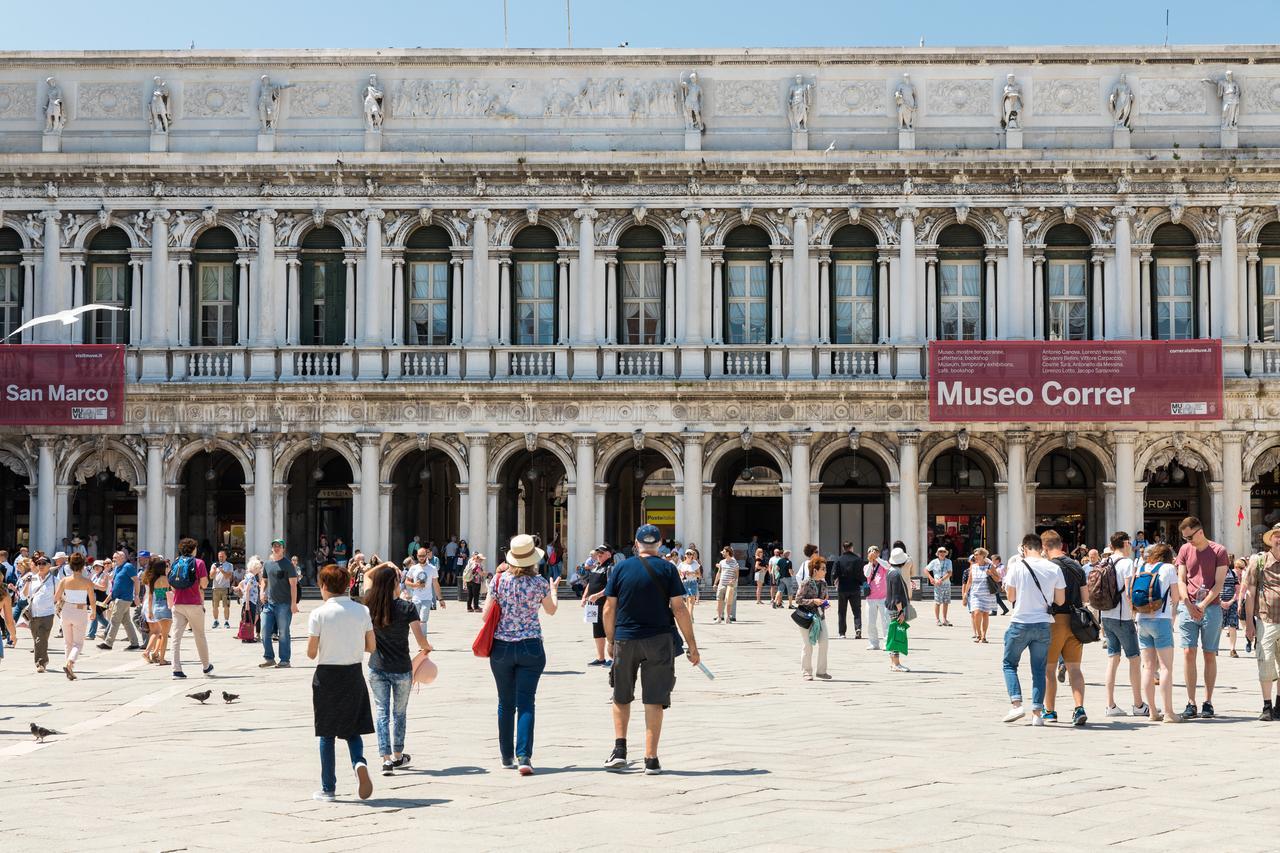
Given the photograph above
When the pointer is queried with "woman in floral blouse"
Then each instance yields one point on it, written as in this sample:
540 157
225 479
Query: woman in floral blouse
518 658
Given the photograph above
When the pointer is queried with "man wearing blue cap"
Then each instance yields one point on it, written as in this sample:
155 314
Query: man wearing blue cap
644 601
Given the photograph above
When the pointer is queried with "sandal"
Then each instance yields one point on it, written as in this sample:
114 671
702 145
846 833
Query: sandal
71 676
1233 654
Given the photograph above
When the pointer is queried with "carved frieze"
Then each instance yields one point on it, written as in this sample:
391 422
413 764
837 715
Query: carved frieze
455 98
853 97
109 101
323 100
1263 95
215 100
970 97
1173 96
1067 97
747 98
17 101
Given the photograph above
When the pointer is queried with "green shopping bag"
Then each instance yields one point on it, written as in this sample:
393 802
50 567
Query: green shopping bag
895 639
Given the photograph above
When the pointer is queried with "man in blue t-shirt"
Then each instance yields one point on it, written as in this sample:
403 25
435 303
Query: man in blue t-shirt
122 589
644 600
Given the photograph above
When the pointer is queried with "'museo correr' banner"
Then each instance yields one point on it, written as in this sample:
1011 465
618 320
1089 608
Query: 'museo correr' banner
1075 381
55 385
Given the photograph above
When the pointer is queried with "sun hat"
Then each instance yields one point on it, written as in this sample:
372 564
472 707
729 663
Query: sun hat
424 669
898 557
522 552
60 555
1270 535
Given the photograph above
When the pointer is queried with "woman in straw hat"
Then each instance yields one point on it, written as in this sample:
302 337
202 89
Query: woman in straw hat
518 658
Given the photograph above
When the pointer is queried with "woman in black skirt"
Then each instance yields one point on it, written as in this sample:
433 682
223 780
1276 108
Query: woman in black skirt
340 633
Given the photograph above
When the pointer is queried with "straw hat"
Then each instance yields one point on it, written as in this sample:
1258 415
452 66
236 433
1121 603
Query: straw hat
1270 535
523 552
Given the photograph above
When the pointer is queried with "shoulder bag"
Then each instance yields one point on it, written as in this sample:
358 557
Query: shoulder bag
483 645
677 642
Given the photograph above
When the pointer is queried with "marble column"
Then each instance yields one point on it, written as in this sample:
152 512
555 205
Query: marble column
692 309
689 516
154 526
54 293
44 531
477 534
262 359
160 296
479 334
587 318
798 532
370 534
1122 316
583 518
907 311
800 300
1015 325
1127 515
264 495
371 302
1016 524
1232 335
1234 536
908 523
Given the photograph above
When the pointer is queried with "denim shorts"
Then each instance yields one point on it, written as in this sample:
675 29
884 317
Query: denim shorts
691 589
1202 633
1121 636
1155 634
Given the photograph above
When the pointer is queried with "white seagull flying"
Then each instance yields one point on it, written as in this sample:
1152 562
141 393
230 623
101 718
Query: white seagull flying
66 318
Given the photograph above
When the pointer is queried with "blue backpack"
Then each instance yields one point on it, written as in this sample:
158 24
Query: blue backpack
182 575
1145 593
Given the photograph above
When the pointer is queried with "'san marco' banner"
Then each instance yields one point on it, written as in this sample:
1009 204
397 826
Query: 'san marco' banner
56 385
1070 381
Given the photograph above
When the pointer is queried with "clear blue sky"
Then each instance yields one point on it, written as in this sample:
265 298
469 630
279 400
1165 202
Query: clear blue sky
132 24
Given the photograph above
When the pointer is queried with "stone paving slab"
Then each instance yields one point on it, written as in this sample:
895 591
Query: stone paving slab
756 760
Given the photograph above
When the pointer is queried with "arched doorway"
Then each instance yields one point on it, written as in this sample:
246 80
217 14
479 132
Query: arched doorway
104 509
211 504
853 504
15 510
424 500
1069 499
1264 499
961 506
1174 491
533 497
746 504
319 501
641 490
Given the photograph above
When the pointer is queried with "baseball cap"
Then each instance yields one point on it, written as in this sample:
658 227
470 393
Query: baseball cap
275 542
144 553
605 548
649 534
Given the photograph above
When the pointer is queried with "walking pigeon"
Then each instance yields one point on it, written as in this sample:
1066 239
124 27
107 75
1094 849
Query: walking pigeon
40 732
229 697
201 696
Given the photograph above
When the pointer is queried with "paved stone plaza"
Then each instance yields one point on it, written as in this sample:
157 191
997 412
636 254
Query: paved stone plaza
756 759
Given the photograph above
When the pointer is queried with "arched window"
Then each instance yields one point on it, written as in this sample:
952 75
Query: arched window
854 296
10 281
1269 283
324 289
747 286
108 284
1067 284
1174 285
640 308
216 304
535 290
960 284
427 300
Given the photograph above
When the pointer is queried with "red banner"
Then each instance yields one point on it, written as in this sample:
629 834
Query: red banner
56 385
1075 380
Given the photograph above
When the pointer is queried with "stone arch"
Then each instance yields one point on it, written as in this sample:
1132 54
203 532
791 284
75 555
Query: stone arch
758 444
1087 222
284 462
1190 452
184 454
402 229
870 445
762 219
672 232
304 226
1195 222
1253 220
188 233
988 222
991 454
20 227
95 226
15 458
1262 460
1099 453
615 451
104 454
504 234
824 230
503 455
399 448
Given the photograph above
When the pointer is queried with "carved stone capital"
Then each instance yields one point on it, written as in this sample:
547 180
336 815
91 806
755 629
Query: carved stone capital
479 440
368 439
1018 436
1124 211
480 213
692 213
584 440
909 437
906 213
373 214
1230 211
266 214
1015 212
586 213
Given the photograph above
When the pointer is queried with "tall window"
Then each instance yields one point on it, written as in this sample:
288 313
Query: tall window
853 303
428 303
323 297
1269 328
748 303
1175 302
1068 301
641 302
216 301
107 282
533 304
960 300
10 281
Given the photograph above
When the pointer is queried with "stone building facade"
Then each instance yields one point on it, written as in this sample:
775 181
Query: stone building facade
437 292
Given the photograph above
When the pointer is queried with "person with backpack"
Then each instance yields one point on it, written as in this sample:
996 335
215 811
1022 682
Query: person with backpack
188 578
1107 583
787 586
1034 585
1261 601
849 580
1062 639
1154 592
1202 569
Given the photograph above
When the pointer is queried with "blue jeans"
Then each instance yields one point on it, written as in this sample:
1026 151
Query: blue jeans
328 774
1019 637
516 666
97 620
1122 636
391 701
276 617
1203 632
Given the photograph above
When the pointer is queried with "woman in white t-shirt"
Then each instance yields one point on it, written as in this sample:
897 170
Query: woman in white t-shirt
691 576
1155 629
726 585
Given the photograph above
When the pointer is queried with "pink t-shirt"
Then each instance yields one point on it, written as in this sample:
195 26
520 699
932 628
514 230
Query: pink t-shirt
877 575
1202 567
192 594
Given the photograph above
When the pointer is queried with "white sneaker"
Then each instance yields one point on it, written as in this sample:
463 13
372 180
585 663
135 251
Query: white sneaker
873 647
1017 712
322 797
1116 711
897 667
1037 720
1141 710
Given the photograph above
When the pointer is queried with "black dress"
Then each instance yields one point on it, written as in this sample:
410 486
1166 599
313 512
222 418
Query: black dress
340 700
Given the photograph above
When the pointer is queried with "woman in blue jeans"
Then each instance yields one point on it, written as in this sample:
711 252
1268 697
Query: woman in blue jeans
518 659
390 669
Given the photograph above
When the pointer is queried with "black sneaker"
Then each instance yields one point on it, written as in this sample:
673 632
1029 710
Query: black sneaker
1189 712
1079 717
617 759
388 768
652 767
1267 714
402 762
857 635
132 647
1206 710
1062 673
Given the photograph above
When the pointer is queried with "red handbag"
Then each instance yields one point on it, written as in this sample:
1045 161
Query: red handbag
483 645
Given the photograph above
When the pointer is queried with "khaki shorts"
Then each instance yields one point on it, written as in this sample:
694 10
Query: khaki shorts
726 593
221 596
1268 650
1063 642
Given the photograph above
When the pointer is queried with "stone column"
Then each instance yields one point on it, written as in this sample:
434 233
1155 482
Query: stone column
824 303
1014 287
160 296
1127 517
1232 335
263 494
1015 526
668 303
908 522
371 296
1142 297
689 516
907 310
1234 536
798 533
154 525
587 328
478 336
800 299
370 524
54 292
583 518
1122 316
44 531
262 359
477 534
691 308
1039 305
779 315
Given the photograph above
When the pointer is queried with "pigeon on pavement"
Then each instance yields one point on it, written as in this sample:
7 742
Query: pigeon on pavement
229 697
201 696
40 732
